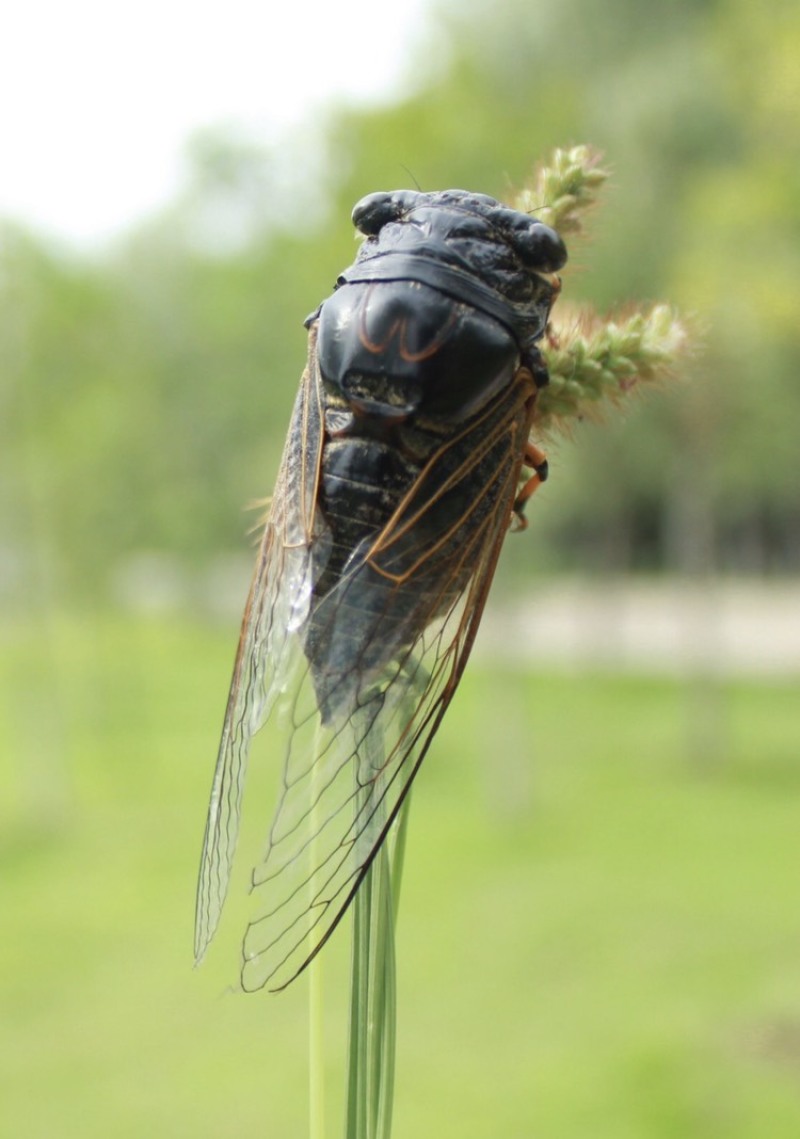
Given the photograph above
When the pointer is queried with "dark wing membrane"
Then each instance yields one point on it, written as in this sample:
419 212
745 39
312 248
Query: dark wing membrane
277 606
390 644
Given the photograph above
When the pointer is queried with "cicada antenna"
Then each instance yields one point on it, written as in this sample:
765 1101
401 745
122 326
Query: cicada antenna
411 176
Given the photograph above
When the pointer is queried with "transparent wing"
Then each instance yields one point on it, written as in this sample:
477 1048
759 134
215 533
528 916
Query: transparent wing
382 655
277 607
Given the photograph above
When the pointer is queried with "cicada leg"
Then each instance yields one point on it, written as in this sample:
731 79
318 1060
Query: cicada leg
536 460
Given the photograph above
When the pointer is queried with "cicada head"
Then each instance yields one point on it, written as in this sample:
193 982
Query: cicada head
511 256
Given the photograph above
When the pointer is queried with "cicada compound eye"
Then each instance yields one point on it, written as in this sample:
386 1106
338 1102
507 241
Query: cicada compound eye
372 212
539 246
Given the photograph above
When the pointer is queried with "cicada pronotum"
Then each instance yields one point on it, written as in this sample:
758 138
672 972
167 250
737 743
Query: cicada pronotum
403 469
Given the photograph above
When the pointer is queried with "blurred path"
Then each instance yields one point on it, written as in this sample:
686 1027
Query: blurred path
749 627
667 626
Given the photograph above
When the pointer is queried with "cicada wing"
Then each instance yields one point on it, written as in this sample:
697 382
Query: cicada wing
385 651
269 643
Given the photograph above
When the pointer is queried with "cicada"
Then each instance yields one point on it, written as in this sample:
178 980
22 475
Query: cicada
408 458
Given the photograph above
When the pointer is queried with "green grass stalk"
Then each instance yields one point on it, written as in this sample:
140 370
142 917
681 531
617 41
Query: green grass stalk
373 993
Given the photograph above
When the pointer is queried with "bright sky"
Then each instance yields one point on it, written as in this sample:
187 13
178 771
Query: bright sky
96 97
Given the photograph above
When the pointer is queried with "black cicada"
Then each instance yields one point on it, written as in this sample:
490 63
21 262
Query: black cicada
402 472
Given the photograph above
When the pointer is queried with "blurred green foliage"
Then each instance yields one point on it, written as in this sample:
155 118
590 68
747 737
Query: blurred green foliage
598 936
145 392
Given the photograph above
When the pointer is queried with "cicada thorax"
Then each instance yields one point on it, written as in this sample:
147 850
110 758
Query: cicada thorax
403 369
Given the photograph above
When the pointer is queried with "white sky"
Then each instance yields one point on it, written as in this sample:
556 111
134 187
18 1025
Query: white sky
96 97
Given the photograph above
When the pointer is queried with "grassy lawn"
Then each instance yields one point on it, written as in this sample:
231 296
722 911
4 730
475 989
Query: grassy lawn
600 929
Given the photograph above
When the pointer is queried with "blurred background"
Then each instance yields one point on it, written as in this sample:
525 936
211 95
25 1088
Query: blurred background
600 932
